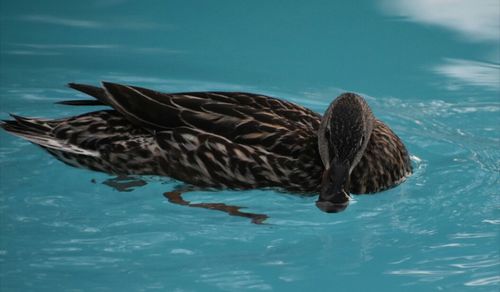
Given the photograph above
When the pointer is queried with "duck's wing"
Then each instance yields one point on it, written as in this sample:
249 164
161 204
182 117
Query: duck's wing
285 109
277 126
256 101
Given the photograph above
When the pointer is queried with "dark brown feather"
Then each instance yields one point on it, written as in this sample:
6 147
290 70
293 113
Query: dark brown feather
240 123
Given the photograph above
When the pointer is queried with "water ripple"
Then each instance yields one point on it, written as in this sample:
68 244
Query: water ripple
495 280
425 272
235 280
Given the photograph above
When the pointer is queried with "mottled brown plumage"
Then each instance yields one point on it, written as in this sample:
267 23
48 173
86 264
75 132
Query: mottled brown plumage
220 139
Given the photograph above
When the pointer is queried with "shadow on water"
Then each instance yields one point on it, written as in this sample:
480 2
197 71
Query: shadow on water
128 184
124 183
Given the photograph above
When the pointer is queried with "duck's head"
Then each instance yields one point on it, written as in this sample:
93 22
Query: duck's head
342 138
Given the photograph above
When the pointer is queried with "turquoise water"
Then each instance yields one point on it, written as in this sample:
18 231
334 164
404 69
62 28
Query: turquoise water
427 68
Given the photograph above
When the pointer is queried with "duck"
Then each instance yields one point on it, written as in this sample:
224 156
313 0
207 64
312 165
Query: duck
226 140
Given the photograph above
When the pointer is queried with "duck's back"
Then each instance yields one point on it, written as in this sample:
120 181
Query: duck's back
249 119
211 139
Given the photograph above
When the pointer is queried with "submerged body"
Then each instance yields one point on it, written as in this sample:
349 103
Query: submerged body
216 140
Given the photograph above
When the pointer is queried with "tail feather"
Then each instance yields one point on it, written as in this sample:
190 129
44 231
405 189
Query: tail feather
15 128
39 132
35 125
98 93
80 102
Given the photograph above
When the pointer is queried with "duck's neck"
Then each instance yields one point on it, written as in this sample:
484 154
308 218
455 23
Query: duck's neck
342 139
345 130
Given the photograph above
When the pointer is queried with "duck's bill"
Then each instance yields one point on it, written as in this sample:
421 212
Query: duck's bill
330 207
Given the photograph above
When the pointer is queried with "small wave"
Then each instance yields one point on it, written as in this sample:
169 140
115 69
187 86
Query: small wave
484 281
235 280
473 235
495 222
31 53
182 251
425 272
478 264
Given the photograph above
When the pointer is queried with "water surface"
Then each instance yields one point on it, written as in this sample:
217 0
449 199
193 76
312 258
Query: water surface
434 78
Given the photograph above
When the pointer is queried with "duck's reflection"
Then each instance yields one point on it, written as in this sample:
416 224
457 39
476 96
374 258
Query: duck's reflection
176 198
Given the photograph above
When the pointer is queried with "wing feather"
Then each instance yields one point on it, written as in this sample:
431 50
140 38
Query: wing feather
244 118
